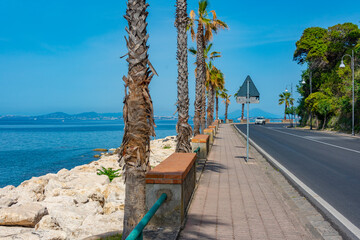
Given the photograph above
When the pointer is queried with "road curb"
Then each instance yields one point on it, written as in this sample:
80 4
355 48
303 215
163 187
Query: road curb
337 220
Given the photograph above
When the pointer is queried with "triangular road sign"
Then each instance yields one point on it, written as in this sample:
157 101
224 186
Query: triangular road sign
253 92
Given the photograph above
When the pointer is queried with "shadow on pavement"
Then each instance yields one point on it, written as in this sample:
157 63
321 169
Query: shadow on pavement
194 220
214 167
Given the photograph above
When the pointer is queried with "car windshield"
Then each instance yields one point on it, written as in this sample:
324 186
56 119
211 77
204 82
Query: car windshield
260 118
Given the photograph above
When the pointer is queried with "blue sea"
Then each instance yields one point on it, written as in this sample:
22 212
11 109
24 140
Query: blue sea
36 148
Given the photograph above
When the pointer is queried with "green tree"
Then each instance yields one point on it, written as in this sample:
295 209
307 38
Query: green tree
138 115
183 128
322 105
322 50
205 29
285 98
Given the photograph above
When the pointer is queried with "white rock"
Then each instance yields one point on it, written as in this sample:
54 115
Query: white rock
12 231
47 223
80 203
27 214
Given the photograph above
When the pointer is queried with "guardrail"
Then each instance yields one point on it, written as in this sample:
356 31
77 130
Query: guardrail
137 232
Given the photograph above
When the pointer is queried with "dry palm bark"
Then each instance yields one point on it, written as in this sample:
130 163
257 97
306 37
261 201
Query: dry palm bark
242 111
210 109
200 79
183 128
217 106
134 152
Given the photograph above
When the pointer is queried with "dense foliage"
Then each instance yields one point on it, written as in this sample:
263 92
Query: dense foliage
331 99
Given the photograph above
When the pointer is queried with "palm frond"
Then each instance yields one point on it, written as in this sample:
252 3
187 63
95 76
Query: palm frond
192 50
203 6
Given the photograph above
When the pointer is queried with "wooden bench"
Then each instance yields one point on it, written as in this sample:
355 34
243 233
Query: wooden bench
175 176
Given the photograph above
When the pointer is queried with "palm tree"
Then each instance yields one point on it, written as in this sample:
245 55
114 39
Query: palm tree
209 57
205 29
218 89
242 111
215 81
286 98
226 100
183 128
138 115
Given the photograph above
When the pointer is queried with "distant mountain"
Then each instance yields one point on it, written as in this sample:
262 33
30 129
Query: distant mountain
256 112
55 115
64 116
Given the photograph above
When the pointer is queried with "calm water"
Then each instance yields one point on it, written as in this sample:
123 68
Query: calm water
30 149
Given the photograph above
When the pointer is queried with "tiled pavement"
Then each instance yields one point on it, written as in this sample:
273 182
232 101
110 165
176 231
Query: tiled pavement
237 200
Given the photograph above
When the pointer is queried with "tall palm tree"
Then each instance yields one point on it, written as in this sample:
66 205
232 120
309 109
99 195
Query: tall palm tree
183 128
138 115
205 28
242 111
215 80
285 98
220 87
226 101
209 57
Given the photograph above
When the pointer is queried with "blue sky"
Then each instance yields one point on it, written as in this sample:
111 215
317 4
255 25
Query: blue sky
63 55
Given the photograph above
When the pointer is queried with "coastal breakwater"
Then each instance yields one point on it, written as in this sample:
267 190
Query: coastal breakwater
71 204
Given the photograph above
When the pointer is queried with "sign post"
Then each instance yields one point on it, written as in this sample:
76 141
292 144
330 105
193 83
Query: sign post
247 93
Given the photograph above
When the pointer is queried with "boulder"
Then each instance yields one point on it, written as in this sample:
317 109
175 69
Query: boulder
47 223
27 214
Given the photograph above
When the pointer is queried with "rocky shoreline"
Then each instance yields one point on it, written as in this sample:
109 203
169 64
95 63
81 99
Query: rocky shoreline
71 204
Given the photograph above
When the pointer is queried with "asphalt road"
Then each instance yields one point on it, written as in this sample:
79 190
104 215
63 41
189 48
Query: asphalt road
328 164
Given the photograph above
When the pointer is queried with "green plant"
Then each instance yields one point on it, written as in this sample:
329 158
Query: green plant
111 173
167 147
115 237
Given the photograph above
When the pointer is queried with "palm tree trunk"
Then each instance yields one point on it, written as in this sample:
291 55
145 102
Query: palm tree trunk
138 115
217 107
285 113
200 78
226 109
203 108
242 111
183 128
210 107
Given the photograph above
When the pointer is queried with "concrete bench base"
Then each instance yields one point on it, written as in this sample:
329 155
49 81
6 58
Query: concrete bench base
175 176
210 132
202 141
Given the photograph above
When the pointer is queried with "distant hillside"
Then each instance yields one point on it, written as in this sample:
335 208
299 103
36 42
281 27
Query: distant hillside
65 116
256 112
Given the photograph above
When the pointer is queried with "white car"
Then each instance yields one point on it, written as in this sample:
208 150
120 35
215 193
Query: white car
260 120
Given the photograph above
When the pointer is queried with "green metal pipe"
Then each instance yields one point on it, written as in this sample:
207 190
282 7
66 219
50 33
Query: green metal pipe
136 233
197 150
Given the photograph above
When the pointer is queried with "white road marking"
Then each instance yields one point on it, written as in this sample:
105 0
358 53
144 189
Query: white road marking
311 139
341 218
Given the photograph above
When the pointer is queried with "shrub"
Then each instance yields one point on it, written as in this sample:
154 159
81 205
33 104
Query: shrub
111 173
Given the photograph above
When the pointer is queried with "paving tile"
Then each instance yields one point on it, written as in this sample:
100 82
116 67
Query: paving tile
237 200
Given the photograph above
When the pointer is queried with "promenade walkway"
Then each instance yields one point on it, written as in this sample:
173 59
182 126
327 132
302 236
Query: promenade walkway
238 200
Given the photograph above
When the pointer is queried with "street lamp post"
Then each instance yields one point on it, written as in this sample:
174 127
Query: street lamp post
303 82
342 65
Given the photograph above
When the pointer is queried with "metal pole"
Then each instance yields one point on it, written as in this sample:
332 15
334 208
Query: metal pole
353 95
310 93
247 122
